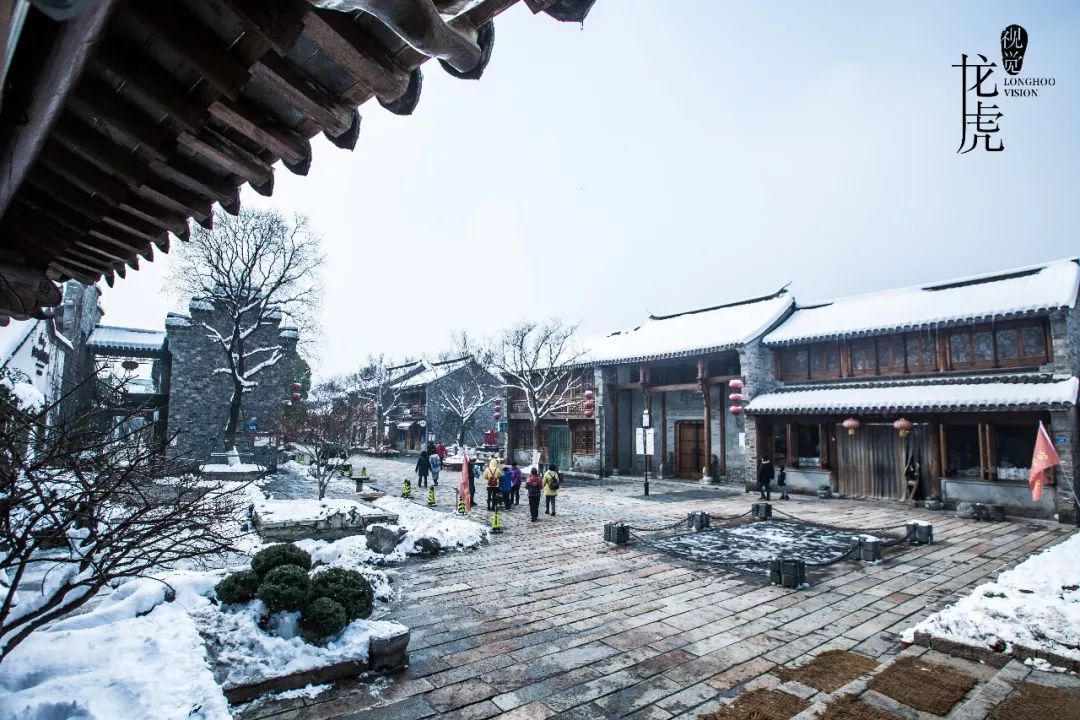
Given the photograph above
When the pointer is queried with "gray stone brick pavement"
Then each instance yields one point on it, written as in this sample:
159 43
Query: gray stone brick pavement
549 620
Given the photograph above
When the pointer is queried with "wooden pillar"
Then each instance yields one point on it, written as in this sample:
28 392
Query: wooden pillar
722 452
934 486
663 436
707 395
615 424
792 451
823 446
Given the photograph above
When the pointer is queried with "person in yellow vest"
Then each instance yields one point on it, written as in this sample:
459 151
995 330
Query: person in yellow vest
491 479
552 481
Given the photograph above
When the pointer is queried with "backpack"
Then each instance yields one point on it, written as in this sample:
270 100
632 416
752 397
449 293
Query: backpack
554 484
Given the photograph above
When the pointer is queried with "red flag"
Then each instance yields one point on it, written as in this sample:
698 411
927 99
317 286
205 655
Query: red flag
1044 457
465 477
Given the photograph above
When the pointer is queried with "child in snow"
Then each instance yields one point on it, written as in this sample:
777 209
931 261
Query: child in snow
436 467
515 478
533 488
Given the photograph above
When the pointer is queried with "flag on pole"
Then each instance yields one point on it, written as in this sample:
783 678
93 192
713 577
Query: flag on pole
1044 457
465 477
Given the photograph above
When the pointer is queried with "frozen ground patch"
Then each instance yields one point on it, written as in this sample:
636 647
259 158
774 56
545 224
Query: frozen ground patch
748 548
1036 604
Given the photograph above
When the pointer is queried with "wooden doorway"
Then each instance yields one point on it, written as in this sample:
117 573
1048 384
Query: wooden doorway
689 448
559 447
873 462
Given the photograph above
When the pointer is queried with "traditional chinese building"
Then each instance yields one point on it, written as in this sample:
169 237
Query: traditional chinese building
568 434
933 390
678 368
430 395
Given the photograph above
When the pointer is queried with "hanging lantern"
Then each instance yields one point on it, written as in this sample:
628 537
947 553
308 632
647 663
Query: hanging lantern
736 397
589 413
589 405
498 414
296 387
903 426
589 394
295 397
129 365
852 425
736 409
735 384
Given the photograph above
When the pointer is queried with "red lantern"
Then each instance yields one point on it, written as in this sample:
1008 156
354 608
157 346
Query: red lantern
296 387
903 426
852 425
736 397
498 414
589 404
735 384
589 395
736 409
498 402
588 413
295 397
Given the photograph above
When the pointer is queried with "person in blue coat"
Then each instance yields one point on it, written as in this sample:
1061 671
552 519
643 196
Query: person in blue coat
506 485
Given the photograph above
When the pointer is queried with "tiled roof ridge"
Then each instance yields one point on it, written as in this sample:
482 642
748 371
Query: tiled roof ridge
747 301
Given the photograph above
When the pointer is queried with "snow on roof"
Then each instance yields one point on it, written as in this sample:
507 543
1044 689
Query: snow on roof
105 337
960 396
1002 294
175 319
12 336
707 330
435 370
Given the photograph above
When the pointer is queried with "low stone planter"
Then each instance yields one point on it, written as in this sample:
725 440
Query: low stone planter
993 657
385 655
289 526
224 477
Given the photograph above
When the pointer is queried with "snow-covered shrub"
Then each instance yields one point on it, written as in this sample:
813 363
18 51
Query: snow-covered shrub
240 587
284 589
322 618
347 587
276 555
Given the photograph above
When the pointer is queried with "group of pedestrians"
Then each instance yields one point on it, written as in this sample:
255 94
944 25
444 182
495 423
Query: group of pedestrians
503 485
766 474
429 463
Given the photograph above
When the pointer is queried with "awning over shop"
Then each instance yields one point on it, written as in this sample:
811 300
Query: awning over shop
928 397
106 340
405 425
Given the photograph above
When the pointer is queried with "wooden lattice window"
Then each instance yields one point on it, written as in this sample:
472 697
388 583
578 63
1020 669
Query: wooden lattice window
863 357
890 354
824 360
921 356
584 440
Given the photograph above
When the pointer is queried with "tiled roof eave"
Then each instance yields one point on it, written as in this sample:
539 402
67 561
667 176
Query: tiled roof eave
659 356
911 408
910 327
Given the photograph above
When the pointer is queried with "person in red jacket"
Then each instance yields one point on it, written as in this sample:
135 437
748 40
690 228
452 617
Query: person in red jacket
440 450
533 487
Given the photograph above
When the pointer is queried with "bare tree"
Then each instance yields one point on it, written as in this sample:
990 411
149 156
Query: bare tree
460 396
92 499
379 385
535 361
253 268
324 424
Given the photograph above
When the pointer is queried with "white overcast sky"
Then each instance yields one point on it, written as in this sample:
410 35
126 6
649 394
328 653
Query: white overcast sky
675 155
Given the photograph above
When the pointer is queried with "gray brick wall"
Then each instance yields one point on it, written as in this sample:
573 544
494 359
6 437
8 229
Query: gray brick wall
443 423
199 398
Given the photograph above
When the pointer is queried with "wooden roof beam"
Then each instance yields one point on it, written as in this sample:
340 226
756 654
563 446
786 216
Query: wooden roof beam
293 149
277 75
63 67
230 157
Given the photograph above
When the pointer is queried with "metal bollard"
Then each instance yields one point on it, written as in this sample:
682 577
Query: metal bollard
870 548
920 533
787 572
697 521
617 533
762 511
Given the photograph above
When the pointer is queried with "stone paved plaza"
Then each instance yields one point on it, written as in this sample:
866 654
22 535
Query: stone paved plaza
548 620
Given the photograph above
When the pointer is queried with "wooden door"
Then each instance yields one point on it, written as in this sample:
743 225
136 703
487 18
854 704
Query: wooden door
689 448
871 462
559 447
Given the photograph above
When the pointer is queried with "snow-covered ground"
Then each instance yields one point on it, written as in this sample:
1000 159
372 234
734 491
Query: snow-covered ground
134 655
1036 604
274 510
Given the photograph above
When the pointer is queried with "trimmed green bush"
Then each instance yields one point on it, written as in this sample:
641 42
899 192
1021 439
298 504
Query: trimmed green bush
277 555
322 618
347 587
285 588
238 587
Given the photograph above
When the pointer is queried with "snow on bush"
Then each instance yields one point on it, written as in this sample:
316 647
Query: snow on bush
27 397
126 658
351 553
1036 604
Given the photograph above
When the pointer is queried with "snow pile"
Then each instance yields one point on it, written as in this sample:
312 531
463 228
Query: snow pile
351 553
28 397
244 654
1036 604
310 510
450 530
294 468
115 663
308 692
226 468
